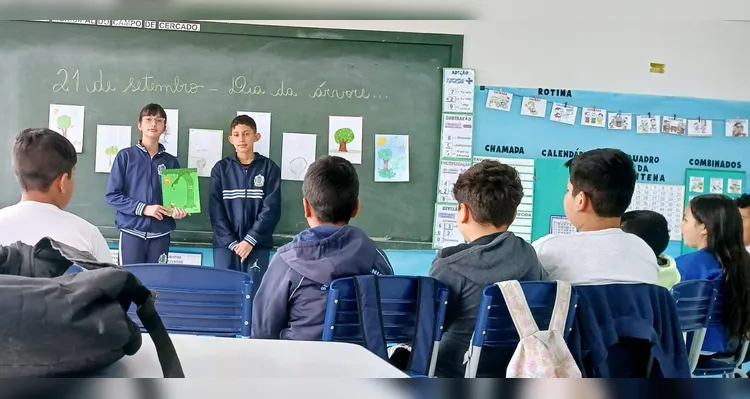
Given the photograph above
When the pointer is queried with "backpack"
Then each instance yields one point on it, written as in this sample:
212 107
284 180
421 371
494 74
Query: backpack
56 324
539 354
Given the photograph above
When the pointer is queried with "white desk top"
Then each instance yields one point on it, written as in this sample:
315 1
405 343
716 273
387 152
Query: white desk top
214 357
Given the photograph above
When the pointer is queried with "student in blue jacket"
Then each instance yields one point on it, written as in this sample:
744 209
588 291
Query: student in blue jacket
245 204
134 190
712 224
291 300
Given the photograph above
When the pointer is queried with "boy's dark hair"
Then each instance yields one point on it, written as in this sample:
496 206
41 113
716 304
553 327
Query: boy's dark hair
153 110
607 176
244 120
743 201
40 156
331 186
492 191
650 226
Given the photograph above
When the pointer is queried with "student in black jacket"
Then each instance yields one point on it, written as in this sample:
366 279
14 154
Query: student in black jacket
488 195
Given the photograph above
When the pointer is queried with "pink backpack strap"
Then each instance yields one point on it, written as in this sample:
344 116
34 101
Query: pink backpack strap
562 305
519 310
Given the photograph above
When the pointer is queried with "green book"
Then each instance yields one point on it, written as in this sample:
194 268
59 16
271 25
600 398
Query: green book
180 189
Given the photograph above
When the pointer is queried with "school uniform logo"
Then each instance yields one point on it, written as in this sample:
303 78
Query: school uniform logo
161 168
163 258
259 180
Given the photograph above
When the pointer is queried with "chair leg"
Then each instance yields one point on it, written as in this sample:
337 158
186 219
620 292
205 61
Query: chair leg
740 373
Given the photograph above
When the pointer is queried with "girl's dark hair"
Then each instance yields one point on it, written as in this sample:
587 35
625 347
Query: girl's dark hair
723 222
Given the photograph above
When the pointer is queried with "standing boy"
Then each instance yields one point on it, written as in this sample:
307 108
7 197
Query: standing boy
134 190
244 204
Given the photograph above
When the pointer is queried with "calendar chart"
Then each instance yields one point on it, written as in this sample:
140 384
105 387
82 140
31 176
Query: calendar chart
663 198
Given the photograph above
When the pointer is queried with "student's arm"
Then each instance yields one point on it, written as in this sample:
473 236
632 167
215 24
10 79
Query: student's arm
382 263
99 246
115 195
270 306
269 215
223 232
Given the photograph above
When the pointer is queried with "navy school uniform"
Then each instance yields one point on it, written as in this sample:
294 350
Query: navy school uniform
134 183
245 204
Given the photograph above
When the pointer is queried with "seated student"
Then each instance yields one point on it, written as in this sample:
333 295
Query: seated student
291 300
653 228
600 188
743 202
713 225
43 162
488 195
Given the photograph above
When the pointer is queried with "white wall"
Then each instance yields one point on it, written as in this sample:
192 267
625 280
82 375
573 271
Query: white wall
703 59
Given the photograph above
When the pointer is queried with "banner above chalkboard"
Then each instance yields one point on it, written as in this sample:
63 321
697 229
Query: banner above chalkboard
132 23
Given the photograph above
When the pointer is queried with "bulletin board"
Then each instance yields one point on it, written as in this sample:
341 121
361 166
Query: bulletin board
557 132
712 181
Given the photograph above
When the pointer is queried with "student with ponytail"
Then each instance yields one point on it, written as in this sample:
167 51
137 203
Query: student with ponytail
713 225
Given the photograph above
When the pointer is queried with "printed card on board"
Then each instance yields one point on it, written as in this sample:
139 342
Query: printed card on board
533 106
180 189
619 121
736 127
734 186
673 125
391 158
700 128
497 99
647 124
594 117
563 113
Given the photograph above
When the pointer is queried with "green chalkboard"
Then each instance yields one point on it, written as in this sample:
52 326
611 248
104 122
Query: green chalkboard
301 76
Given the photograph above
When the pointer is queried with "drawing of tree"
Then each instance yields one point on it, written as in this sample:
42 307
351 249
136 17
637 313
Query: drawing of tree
385 154
110 152
63 123
298 166
343 136
189 189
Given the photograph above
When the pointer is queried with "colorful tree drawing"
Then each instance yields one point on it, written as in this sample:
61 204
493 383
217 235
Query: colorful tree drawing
189 187
343 136
63 123
110 152
386 155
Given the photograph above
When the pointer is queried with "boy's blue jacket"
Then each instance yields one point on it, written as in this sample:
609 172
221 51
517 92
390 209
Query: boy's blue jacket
245 204
135 182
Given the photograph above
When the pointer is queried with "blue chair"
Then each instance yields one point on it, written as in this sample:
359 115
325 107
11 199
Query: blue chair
198 300
694 301
73 269
495 328
717 365
394 317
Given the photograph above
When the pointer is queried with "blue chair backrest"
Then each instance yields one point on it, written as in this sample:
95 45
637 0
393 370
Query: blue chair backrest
398 302
198 299
695 302
73 269
495 327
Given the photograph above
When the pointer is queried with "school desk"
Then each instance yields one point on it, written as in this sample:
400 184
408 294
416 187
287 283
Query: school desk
214 357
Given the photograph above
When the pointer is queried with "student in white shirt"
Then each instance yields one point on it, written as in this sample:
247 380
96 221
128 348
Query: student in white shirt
743 202
43 162
600 188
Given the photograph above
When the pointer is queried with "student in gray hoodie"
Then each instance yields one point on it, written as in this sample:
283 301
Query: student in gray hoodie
488 195
291 300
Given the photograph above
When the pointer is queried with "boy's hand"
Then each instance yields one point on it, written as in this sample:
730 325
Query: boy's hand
243 249
178 213
156 211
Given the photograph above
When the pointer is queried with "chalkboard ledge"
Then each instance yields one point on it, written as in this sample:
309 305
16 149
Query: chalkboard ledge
202 239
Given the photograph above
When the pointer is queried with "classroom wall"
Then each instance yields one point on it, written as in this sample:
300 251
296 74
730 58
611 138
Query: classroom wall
703 58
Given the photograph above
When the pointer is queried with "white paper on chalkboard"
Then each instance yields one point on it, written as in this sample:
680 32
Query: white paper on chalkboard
263 127
345 137
170 138
110 139
68 121
297 153
204 150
